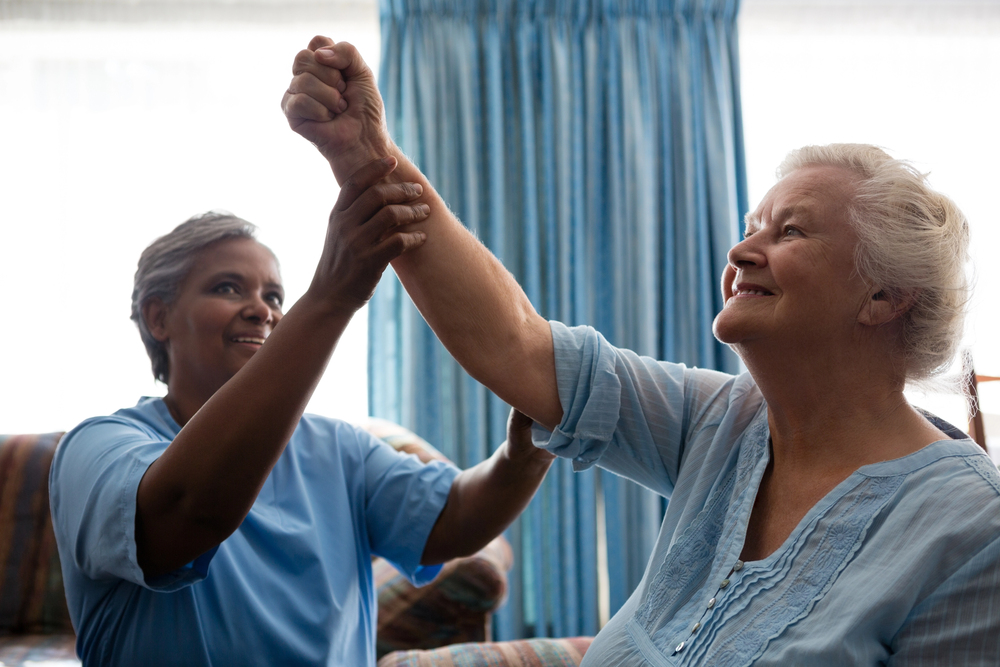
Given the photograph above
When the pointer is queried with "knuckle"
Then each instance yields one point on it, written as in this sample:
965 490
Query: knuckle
303 60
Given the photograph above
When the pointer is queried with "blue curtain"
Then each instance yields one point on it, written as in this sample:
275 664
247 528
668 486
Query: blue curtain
596 148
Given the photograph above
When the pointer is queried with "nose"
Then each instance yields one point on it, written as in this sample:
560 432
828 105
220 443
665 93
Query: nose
747 253
259 311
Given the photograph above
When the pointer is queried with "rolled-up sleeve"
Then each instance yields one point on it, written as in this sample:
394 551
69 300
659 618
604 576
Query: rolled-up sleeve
627 413
404 498
93 483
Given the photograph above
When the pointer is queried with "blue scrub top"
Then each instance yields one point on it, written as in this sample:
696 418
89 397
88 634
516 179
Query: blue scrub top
292 586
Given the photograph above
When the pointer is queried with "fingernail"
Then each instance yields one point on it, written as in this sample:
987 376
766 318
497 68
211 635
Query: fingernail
417 188
425 209
389 160
326 52
342 106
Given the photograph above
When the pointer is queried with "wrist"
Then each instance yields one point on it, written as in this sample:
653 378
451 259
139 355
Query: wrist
344 163
528 460
330 307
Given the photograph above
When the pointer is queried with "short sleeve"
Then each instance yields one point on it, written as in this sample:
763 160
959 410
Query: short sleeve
93 483
403 499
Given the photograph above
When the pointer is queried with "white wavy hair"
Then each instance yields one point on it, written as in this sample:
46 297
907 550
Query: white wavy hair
913 244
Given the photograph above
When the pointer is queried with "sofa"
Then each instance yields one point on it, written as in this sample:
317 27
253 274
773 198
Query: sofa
446 622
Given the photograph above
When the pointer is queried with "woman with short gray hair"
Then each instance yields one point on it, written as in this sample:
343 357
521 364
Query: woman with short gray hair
220 525
165 263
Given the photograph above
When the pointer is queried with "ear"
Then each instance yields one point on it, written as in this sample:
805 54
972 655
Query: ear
154 313
881 308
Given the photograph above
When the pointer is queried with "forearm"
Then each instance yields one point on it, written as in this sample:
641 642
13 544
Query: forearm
202 487
473 304
483 501
478 310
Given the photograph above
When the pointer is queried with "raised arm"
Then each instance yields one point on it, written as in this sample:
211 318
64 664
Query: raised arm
469 299
202 487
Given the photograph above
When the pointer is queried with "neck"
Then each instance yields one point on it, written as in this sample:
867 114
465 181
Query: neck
183 405
835 411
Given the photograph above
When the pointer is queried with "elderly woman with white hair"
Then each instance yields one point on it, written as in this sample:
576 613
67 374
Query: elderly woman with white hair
219 525
815 516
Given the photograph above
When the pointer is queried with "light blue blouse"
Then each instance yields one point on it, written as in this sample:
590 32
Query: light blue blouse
292 586
898 565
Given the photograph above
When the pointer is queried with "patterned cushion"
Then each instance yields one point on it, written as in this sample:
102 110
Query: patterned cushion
523 653
38 650
31 590
455 607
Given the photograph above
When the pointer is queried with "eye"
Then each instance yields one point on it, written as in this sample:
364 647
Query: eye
276 298
791 231
225 288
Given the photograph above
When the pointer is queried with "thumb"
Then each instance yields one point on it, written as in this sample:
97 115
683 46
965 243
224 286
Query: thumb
345 57
518 421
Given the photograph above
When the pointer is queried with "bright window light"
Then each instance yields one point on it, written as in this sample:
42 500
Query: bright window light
112 135
916 78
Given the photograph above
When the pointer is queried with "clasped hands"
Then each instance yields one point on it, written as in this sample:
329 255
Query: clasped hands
333 102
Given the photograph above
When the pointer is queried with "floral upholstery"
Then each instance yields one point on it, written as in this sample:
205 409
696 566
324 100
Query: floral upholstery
523 653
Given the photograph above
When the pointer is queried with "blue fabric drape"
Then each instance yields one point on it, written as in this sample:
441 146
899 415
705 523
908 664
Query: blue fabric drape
596 148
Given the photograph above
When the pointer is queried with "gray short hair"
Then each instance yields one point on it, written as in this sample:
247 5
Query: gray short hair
167 261
913 243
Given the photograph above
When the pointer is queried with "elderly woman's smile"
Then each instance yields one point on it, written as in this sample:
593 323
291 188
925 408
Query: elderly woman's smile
793 275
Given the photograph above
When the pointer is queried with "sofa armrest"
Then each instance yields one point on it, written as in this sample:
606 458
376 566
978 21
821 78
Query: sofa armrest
31 590
522 653
55 650
455 607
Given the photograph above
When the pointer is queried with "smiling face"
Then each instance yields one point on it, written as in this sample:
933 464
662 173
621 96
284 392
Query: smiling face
226 307
792 280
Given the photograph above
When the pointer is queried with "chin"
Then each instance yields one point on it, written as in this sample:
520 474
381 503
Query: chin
725 330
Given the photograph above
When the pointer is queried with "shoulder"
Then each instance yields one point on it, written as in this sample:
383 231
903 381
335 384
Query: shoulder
149 416
959 469
147 422
317 429
947 505
323 438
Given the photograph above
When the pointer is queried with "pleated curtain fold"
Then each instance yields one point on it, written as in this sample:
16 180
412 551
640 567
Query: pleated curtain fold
596 148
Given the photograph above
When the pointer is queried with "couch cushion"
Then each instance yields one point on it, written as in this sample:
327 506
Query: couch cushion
38 651
31 590
523 653
456 607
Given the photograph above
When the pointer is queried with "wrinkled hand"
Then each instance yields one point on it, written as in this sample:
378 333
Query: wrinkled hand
333 102
519 445
366 232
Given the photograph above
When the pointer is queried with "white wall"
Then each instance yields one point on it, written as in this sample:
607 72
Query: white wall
918 78
112 134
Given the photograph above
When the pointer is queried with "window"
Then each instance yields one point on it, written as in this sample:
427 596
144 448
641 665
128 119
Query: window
917 78
113 133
